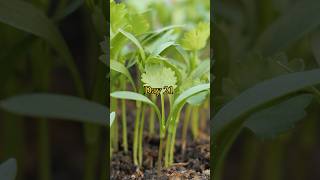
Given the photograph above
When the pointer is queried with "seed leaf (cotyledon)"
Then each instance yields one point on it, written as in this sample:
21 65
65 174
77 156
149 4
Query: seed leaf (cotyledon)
57 107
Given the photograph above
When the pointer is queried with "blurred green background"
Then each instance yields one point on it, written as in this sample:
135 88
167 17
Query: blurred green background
254 41
53 46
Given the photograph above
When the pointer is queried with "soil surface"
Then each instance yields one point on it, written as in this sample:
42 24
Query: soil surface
194 163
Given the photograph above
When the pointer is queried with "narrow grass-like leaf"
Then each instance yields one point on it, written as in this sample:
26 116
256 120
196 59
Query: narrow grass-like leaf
201 69
73 6
57 107
117 66
301 19
158 50
188 93
135 41
8 170
228 122
128 95
272 121
24 16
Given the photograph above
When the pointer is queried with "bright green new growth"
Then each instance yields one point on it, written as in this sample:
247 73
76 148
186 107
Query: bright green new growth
158 60
158 76
196 39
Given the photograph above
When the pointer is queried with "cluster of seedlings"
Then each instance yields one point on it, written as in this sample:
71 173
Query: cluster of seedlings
165 70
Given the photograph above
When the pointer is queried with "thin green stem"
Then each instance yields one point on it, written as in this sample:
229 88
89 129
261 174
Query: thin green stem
152 116
161 136
173 137
160 156
195 122
141 135
124 121
136 134
185 128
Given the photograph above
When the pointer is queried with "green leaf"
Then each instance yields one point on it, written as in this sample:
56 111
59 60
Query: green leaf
197 99
158 50
196 39
228 122
118 16
167 63
136 97
201 69
99 21
272 121
181 99
116 66
112 118
8 170
73 6
57 107
138 23
298 21
158 76
24 16
135 41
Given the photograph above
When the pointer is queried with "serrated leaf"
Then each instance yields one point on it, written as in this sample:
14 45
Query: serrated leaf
167 63
8 170
158 76
296 22
196 39
138 23
118 16
274 120
116 66
57 107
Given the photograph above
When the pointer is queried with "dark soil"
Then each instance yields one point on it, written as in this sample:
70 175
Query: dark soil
193 164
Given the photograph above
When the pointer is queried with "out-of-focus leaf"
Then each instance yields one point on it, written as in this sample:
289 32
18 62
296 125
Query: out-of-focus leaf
99 21
270 122
201 69
73 6
228 122
196 39
8 170
24 16
315 43
116 66
139 23
118 16
57 106
296 22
